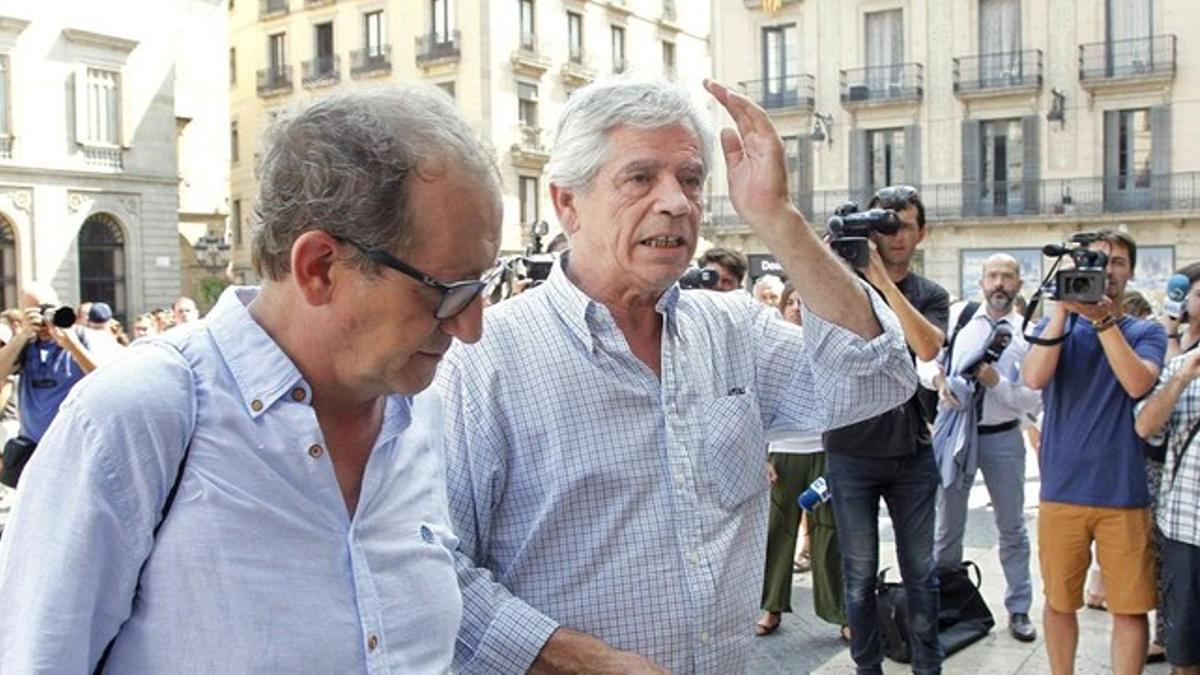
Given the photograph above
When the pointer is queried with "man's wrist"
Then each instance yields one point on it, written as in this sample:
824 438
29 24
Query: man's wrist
1103 324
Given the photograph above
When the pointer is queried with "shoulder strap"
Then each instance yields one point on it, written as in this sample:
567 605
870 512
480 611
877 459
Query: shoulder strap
1183 450
968 311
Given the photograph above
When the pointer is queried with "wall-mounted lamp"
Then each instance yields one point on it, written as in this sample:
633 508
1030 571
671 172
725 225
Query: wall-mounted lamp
822 128
1058 107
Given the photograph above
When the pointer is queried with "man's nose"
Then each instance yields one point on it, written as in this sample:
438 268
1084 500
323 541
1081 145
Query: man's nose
672 198
467 325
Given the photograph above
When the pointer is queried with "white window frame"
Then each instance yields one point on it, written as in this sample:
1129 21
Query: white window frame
84 108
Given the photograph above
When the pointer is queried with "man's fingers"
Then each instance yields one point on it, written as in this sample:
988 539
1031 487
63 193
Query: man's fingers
731 145
747 116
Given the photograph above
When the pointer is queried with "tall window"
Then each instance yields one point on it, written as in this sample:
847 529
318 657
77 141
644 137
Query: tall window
781 62
323 47
528 41
1128 31
232 65
575 36
276 54
999 41
885 49
102 263
8 264
235 223
885 148
233 141
527 104
1002 170
441 20
668 58
528 197
373 33
1133 150
103 107
618 49
4 129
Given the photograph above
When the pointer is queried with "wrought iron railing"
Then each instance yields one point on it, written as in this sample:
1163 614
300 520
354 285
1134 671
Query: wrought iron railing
991 72
438 46
895 82
1152 56
323 69
274 80
782 91
268 8
364 61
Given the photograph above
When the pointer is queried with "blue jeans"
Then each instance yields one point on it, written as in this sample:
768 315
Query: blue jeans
909 487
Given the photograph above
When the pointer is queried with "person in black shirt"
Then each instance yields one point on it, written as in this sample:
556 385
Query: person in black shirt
891 456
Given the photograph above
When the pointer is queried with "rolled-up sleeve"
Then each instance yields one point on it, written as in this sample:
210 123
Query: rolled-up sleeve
831 376
500 633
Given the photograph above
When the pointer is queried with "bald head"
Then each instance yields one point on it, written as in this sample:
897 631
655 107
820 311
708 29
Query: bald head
1002 260
37 293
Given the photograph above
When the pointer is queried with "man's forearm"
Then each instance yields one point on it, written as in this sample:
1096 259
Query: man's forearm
569 651
9 354
87 363
1159 407
1042 360
924 338
1137 377
826 284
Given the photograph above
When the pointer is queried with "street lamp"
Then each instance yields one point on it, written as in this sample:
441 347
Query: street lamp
212 252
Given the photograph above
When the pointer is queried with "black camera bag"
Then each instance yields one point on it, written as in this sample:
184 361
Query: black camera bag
17 452
963 617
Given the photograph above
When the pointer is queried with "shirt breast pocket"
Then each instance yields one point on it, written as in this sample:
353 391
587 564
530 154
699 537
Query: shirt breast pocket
734 449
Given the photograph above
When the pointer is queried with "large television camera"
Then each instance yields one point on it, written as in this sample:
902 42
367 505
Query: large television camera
850 230
1086 281
699 277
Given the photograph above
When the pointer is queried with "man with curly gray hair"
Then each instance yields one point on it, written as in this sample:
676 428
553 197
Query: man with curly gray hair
263 491
609 490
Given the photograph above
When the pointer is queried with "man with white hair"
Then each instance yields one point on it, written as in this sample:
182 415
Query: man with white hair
768 290
610 492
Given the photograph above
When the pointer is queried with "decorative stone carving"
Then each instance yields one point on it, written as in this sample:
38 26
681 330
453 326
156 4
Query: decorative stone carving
75 201
22 199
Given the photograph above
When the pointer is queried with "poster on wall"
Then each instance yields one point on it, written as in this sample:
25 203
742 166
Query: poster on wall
1030 260
1155 264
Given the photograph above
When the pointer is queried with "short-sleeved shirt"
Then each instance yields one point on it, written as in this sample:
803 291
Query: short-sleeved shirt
1090 453
1179 499
901 431
48 372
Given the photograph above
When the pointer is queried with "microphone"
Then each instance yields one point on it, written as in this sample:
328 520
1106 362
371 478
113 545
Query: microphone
1177 290
817 494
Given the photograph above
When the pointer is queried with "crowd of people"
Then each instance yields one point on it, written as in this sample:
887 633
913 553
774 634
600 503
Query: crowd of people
353 467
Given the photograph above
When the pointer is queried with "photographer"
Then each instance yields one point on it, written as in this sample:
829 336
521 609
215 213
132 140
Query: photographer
890 456
729 265
1092 463
51 360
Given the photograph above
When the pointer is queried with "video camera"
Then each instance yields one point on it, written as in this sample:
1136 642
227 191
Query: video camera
1085 283
699 277
54 315
850 230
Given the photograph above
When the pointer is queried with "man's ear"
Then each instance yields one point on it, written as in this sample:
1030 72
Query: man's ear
313 256
564 208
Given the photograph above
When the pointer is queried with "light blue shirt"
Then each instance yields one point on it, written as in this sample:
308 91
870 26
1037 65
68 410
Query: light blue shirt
1010 399
589 493
258 567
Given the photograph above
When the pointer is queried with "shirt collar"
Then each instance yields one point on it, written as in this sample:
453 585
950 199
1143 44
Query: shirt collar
579 310
1012 317
262 371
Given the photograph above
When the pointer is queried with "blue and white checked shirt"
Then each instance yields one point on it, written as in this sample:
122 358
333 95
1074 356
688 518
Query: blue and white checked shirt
593 495
258 567
1179 496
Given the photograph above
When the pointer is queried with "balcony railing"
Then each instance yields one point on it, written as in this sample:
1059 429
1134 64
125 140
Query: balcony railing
781 92
6 147
1148 57
668 10
270 8
883 84
322 70
437 47
371 61
104 157
529 138
1068 197
274 80
998 72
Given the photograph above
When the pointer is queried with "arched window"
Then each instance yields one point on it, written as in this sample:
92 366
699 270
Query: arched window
102 263
8 264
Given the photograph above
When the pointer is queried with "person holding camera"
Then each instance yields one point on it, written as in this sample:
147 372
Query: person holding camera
609 494
730 266
999 450
51 360
891 456
1093 470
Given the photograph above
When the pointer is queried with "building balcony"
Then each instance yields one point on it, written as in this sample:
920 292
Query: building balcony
275 81
620 8
781 94
317 3
1148 60
529 151
576 72
269 9
321 71
668 20
435 49
103 156
371 62
883 85
6 143
1000 74
528 60
1070 199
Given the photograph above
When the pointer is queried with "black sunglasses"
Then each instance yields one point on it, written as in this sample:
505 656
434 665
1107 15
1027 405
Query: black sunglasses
456 296
896 196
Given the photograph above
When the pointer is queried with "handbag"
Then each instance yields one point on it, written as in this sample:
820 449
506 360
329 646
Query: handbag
963 617
17 452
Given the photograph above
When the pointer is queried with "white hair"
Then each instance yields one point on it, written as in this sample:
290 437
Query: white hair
769 282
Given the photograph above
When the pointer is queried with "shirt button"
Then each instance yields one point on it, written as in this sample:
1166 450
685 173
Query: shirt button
372 642
315 451
695 558
705 637
679 480
298 394
256 405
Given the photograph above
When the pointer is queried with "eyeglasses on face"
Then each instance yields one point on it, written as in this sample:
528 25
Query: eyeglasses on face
896 196
455 297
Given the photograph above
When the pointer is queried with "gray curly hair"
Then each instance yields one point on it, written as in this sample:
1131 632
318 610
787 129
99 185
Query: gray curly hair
581 144
344 164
